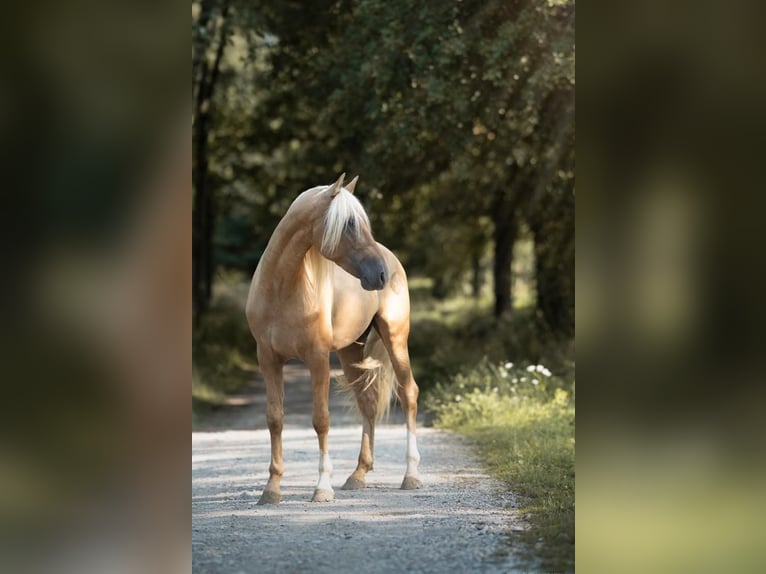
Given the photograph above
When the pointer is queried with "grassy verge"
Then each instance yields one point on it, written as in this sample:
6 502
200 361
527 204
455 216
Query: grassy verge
522 421
451 336
223 349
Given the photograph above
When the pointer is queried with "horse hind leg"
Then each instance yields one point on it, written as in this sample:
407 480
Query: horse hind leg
366 399
394 335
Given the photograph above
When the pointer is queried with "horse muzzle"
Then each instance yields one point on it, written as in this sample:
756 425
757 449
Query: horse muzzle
374 275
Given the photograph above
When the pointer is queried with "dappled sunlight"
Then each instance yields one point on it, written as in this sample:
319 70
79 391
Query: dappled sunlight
297 510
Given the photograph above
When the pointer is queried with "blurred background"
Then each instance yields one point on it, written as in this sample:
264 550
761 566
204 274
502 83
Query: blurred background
670 314
95 319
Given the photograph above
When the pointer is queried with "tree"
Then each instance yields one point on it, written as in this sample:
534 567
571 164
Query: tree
470 103
213 24
459 116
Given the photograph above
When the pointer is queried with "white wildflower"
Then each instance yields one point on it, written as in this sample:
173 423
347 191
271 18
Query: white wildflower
531 369
543 370
504 374
508 365
535 381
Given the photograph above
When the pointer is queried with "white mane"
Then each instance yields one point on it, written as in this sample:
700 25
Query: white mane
344 209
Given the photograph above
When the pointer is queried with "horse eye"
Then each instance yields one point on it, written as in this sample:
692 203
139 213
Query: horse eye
351 226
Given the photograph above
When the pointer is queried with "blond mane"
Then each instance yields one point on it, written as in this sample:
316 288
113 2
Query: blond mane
318 270
344 209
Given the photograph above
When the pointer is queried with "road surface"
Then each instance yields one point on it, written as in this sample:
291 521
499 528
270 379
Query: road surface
457 522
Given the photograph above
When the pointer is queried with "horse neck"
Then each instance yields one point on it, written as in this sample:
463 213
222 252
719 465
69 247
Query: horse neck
285 259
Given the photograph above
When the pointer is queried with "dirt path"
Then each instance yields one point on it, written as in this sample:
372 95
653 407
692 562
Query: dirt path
455 523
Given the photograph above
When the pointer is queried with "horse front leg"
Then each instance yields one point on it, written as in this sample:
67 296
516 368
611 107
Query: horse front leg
271 367
320 379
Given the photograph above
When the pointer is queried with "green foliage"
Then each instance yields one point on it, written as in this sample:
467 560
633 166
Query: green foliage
491 391
522 420
236 246
448 336
471 109
223 348
458 116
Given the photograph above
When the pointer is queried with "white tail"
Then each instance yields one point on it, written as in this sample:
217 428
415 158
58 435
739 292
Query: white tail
378 375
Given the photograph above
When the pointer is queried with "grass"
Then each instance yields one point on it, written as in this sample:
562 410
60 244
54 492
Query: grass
522 422
451 336
223 349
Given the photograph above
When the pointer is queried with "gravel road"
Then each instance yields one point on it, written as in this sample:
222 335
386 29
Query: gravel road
456 523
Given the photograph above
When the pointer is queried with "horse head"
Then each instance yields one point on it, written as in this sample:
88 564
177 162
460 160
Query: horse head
344 236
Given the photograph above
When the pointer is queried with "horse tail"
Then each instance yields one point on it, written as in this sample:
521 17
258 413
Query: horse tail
377 375
380 372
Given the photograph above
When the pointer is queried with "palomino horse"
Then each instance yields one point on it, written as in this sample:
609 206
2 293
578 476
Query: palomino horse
324 284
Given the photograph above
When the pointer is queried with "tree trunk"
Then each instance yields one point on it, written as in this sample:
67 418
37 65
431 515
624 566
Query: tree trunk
477 277
554 274
203 212
202 35
201 221
504 237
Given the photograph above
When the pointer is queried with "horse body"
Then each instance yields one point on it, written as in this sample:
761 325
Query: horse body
353 309
323 284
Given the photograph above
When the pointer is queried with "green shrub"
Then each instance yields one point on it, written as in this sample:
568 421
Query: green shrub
450 337
503 384
224 351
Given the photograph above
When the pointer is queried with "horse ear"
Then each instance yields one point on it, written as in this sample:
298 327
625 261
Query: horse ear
350 187
338 185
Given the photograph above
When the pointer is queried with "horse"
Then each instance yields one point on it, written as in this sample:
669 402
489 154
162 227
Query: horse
324 284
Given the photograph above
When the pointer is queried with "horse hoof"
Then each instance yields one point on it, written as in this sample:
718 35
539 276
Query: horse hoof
270 497
323 495
353 483
411 483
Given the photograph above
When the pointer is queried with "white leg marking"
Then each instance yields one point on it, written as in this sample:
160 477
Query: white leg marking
413 456
325 472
